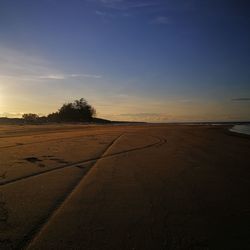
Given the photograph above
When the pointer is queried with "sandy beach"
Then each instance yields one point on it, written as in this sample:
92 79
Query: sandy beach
124 187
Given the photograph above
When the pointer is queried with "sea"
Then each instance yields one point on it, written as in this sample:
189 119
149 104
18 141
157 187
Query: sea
242 129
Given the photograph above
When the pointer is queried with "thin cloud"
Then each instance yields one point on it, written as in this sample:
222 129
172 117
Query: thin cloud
52 77
20 66
126 5
111 1
15 63
85 75
146 117
11 115
67 76
141 114
48 77
153 5
103 14
140 5
128 8
242 99
161 20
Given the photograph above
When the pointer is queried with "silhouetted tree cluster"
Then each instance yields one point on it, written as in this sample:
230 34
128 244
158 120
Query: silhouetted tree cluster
53 117
77 111
30 118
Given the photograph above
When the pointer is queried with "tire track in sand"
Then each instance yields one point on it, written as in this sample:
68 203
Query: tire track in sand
34 232
159 143
44 141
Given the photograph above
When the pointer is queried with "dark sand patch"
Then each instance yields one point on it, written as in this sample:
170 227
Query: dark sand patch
32 159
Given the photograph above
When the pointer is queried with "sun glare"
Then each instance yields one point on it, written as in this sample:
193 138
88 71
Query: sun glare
2 99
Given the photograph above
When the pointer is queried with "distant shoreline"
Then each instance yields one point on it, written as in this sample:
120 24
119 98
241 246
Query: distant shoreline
21 121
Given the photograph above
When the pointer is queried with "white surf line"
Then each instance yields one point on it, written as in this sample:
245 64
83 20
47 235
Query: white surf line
76 164
29 239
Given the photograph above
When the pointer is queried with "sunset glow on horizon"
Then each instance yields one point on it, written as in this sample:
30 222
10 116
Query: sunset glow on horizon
140 60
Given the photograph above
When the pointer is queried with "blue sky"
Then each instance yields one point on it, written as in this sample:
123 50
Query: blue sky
131 59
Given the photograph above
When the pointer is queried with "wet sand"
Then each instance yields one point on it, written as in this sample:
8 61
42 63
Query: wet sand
124 187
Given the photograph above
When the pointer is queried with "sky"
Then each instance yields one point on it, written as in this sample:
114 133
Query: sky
136 60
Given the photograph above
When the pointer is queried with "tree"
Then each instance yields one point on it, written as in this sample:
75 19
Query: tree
77 111
53 117
30 118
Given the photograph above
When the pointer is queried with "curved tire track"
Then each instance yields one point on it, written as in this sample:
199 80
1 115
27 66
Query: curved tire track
75 164
50 140
29 237
28 243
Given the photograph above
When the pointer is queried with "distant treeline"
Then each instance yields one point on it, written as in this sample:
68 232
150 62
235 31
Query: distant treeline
77 111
